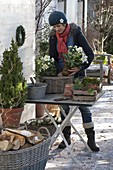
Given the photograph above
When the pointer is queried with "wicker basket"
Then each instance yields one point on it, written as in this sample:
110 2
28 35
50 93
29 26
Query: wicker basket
32 158
56 84
32 124
50 127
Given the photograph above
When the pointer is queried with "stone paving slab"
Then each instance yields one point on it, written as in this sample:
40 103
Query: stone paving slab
103 160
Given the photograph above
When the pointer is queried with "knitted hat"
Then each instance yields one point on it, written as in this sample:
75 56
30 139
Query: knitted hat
57 17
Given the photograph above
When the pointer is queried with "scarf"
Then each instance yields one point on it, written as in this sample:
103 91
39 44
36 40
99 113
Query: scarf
62 39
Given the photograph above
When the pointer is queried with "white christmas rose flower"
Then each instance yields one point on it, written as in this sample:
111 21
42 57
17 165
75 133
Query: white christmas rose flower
84 59
52 59
79 49
46 57
45 67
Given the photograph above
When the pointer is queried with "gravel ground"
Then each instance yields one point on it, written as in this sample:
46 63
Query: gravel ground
103 160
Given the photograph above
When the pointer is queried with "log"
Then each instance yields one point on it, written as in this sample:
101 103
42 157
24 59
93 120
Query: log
9 137
35 140
21 138
12 138
16 144
25 133
31 137
5 145
2 137
27 145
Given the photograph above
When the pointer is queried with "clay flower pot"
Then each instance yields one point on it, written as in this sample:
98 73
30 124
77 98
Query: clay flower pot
11 117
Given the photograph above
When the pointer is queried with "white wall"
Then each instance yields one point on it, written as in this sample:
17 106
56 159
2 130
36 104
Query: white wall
12 14
72 10
85 16
61 6
80 13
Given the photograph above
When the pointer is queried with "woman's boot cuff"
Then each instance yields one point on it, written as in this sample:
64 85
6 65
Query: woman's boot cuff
88 125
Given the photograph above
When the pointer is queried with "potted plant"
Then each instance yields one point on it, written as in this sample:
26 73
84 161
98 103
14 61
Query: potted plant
44 65
13 87
74 58
45 121
46 72
37 89
86 89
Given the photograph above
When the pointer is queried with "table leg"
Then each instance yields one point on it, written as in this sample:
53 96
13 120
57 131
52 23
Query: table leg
59 129
76 131
70 150
56 134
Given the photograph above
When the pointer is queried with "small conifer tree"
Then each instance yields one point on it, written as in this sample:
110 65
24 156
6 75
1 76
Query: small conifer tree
13 86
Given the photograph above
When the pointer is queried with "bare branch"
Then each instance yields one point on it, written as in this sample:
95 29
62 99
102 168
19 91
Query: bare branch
41 5
101 22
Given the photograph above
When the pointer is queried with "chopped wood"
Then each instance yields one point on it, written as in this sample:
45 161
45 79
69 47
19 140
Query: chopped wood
21 138
2 137
39 135
29 135
12 139
27 145
8 137
5 145
25 133
16 144
34 140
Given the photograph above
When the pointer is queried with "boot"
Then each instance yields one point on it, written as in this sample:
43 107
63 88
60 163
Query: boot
91 139
67 133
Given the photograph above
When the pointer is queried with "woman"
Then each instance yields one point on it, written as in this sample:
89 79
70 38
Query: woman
62 36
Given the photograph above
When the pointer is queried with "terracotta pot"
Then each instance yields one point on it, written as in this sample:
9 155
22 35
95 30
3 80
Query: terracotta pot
68 90
11 117
39 110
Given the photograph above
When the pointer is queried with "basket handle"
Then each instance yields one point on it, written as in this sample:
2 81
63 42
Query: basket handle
44 128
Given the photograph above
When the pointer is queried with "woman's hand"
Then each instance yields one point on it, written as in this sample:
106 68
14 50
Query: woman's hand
73 71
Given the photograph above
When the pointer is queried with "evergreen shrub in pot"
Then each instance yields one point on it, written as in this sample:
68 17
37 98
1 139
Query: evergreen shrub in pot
13 87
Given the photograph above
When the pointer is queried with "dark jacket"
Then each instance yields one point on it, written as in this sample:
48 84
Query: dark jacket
79 40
